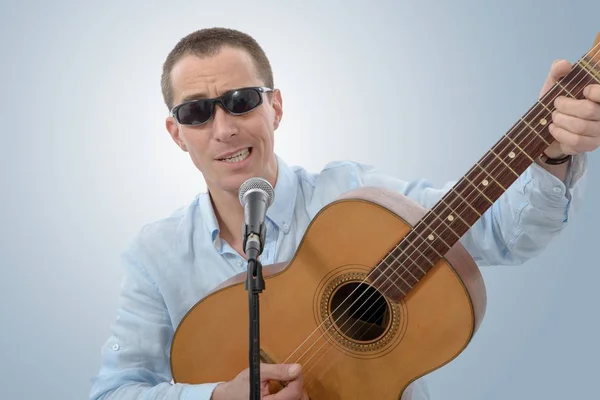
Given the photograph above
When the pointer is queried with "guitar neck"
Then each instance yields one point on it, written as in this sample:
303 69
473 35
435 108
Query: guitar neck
487 180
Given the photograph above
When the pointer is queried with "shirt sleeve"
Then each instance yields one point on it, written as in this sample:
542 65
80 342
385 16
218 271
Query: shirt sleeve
519 225
135 358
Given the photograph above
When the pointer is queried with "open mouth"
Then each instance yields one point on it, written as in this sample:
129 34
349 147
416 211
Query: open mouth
238 157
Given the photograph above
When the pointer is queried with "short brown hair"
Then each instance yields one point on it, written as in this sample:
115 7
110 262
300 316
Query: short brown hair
208 42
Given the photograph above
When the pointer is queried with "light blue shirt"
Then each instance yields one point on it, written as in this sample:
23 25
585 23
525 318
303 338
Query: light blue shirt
176 261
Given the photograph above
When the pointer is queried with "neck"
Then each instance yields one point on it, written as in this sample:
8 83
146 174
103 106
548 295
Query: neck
230 213
230 216
448 220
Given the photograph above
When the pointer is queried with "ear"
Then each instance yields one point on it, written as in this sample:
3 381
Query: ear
277 103
173 129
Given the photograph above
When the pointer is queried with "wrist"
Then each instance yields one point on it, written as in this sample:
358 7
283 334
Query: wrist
220 392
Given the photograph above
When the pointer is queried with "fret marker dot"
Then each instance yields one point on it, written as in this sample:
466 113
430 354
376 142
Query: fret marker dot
450 218
543 121
430 237
484 182
511 154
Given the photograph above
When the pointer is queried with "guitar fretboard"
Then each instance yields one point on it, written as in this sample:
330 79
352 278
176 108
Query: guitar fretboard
477 190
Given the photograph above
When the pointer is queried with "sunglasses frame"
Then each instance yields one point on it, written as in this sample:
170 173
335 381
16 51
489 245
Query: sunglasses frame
219 100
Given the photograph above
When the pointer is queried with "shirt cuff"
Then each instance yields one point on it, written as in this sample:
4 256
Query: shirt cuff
202 391
552 187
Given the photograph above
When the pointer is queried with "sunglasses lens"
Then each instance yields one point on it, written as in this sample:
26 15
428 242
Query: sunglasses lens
194 113
242 101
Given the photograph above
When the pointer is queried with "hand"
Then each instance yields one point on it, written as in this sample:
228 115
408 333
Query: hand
575 123
239 388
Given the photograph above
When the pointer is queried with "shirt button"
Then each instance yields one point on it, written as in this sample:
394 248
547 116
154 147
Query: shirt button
557 189
115 347
285 225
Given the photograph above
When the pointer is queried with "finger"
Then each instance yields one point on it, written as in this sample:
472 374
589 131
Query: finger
592 92
571 140
294 388
281 372
265 389
584 108
559 69
576 125
293 391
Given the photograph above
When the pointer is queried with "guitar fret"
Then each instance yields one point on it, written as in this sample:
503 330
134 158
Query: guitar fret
590 70
414 274
401 276
490 176
465 202
462 206
447 226
476 186
419 259
389 284
543 105
543 121
450 218
487 175
429 249
510 155
438 229
513 157
520 149
436 236
398 254
565 89
453 217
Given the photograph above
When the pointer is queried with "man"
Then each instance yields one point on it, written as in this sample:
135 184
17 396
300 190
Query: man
174 262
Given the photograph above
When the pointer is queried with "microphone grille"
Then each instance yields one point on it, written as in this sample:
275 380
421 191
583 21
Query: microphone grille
253 184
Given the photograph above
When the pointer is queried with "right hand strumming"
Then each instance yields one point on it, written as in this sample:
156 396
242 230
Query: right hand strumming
239 387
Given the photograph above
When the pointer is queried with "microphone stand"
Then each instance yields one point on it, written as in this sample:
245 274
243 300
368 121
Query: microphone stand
255 284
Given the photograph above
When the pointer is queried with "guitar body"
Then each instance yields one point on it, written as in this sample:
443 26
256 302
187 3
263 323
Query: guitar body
373 352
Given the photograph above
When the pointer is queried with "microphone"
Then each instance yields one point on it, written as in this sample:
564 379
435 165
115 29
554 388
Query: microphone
256 195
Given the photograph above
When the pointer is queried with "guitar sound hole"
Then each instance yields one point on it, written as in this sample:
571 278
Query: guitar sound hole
359 311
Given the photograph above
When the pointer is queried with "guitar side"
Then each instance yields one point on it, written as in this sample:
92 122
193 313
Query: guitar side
374 353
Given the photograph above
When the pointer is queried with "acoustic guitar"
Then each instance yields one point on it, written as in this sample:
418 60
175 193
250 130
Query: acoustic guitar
380 291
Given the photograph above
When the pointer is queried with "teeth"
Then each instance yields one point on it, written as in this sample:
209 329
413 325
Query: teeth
237 157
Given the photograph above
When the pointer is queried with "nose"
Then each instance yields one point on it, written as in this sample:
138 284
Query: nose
223 125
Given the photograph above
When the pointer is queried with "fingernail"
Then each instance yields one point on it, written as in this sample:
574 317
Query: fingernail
294 369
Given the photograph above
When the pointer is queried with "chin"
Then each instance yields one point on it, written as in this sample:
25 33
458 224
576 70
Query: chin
229 177
233 182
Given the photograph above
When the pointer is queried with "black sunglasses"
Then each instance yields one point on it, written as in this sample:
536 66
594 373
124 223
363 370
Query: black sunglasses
235 102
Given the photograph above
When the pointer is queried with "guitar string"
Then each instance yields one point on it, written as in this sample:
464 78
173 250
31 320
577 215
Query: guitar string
543 98
540 100
587 75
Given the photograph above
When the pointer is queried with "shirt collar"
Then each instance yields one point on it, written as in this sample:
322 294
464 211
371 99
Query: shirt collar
209 218
282 209
280 212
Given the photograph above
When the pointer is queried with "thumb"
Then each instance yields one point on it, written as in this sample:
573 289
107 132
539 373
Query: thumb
558 70
284 372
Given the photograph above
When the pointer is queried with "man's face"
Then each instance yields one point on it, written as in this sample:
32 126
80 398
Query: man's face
224 135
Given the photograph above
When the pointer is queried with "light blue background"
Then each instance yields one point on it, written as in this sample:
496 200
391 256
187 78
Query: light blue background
421 89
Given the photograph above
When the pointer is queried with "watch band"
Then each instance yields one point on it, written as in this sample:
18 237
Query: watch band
555 161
